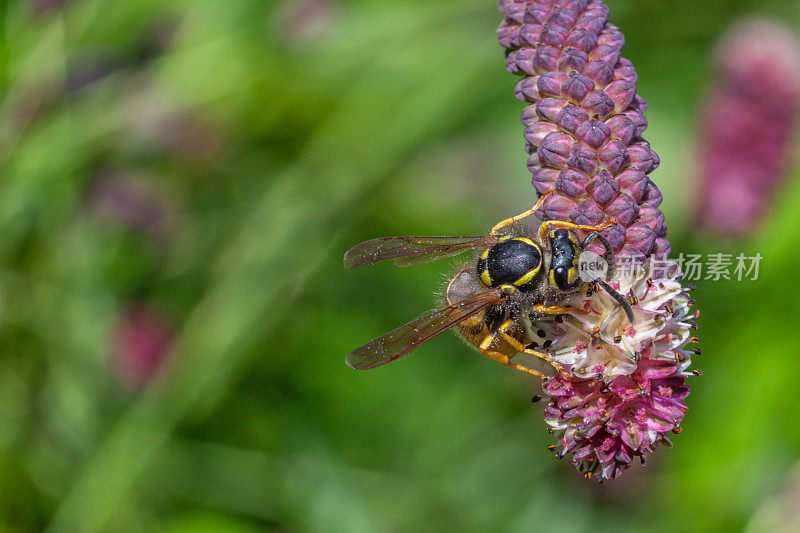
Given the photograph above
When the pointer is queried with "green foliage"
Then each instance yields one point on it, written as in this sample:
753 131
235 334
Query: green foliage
268 149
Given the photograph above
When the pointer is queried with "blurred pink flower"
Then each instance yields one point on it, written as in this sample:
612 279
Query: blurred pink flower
121 198
41 7
140 343
184 134
747 126
305 20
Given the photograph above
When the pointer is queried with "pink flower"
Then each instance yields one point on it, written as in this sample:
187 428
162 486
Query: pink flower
140 343
622 387
625 390
747 126
605 425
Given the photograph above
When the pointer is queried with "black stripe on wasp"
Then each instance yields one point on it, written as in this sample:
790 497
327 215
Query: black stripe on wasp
518 278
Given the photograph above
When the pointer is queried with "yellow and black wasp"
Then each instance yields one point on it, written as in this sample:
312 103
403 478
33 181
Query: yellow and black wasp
519 277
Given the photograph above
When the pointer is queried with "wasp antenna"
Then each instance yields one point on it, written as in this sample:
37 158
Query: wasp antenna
608 256
619 298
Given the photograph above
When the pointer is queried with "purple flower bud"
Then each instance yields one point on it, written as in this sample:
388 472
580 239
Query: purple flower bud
577 83
140 343
747 126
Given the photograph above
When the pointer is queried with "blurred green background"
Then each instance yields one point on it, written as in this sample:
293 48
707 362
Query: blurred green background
185 177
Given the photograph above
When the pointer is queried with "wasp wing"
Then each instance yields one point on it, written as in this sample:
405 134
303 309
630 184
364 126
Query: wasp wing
399 342
407 251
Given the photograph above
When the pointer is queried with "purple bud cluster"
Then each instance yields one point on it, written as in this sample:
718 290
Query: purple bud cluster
584 124
583 131
606 425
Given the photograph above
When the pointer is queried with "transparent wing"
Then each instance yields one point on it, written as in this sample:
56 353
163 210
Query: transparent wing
407 251
399 342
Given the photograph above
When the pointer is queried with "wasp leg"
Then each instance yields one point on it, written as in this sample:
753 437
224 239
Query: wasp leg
514 343
569 225
509 221
558 310
503 358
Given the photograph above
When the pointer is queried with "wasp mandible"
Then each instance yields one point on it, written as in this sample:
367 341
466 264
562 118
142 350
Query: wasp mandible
518 278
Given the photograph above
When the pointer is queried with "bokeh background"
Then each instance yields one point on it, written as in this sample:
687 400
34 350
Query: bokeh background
178 183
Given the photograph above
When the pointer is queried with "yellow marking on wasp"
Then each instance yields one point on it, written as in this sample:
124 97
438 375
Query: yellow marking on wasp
485 254
574 239
572 274
526 241
504 359
475 319
528 276
485 278
544 228
558 310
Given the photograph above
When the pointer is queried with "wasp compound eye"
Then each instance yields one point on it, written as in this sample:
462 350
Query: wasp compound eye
514 262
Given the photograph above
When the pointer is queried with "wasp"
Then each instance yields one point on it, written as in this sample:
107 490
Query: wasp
518 278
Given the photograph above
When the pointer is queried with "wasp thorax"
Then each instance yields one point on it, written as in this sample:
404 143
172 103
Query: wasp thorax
513 261
564 266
